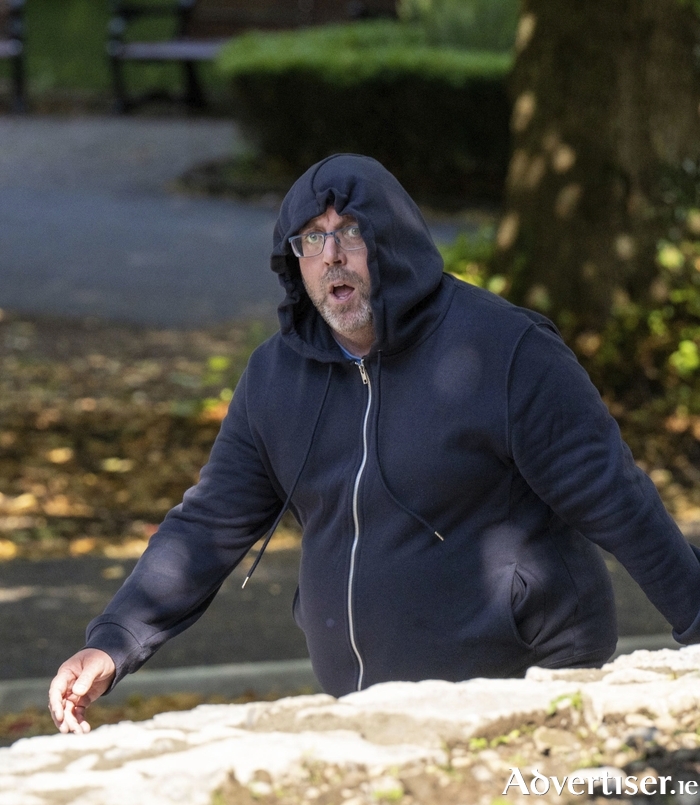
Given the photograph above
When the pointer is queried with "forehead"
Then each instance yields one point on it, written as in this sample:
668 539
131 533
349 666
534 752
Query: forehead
327 221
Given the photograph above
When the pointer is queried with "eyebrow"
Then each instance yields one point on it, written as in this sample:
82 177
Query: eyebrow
313 227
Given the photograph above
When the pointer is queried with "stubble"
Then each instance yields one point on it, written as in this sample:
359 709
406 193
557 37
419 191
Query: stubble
347 318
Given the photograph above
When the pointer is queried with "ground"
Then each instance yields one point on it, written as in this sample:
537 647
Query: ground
104 427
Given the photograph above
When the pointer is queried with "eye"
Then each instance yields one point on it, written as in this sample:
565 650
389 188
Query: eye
353 232
312 238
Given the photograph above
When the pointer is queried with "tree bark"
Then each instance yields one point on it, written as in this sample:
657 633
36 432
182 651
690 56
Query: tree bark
606 102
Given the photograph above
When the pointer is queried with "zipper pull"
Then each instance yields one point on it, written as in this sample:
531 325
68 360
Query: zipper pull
363 372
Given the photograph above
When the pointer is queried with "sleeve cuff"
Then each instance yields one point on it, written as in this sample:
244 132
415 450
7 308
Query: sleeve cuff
105 634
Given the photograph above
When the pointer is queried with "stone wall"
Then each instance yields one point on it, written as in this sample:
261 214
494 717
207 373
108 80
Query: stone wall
424 743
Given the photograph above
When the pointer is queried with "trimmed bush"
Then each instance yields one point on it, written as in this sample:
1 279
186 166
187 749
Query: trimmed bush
437 117
477 24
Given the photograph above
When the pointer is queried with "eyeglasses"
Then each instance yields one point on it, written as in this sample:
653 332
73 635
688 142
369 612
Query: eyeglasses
311 244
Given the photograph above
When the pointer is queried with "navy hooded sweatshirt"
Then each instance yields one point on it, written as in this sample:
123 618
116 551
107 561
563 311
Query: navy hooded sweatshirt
451 489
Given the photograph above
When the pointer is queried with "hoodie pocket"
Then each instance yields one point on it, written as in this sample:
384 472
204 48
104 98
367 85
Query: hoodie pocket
527 606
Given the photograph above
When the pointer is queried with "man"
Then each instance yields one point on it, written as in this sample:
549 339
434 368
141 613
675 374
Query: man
448 459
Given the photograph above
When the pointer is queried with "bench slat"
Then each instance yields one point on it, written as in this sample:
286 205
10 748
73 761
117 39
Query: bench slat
172 50
10 48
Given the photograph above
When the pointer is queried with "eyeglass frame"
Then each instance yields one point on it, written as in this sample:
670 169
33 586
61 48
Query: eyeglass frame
296 239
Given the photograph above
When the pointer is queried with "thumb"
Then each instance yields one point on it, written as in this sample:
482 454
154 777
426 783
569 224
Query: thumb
84 682
82 686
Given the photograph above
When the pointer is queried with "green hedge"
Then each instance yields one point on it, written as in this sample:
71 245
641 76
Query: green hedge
435 116
476 24
352 53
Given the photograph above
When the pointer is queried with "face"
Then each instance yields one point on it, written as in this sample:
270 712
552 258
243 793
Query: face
338 282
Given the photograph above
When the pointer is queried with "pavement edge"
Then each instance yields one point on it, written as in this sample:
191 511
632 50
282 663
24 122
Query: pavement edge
283 677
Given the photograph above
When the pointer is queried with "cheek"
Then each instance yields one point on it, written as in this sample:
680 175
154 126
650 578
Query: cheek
310 274
358 264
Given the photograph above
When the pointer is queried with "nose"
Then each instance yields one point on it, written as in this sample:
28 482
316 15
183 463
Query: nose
332 253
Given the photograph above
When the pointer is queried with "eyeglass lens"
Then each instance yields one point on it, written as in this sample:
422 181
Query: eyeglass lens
311 244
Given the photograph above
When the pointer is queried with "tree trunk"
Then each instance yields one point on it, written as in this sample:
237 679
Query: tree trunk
606 103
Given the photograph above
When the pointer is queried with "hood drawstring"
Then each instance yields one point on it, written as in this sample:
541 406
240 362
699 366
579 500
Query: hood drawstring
296 480
404 508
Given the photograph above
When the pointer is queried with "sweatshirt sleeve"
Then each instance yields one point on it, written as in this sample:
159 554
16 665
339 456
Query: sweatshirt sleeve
569 450
196 547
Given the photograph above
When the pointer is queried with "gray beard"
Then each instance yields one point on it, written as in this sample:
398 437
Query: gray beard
357 317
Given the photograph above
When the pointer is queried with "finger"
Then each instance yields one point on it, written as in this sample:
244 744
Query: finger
56 710
56 714
67 722
74 720
57 695
80 718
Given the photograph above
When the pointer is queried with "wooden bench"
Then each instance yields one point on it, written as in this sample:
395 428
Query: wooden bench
201 27
12 47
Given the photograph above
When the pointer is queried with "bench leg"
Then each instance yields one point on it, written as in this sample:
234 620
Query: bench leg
194 96
19 103
121 103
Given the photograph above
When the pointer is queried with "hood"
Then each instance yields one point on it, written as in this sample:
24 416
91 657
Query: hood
405 267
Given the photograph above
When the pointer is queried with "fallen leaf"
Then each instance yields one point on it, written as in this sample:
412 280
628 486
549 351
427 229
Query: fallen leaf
8 550
60 455
81 546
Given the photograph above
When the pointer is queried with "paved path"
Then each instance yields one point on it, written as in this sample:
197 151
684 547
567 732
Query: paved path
46 605
89 228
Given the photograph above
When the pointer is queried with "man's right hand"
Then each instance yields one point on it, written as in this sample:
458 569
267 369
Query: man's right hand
79 681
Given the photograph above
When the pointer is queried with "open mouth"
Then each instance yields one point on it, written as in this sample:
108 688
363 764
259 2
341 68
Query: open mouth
342 292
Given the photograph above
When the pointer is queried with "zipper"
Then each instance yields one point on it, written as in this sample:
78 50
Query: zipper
363 373
356 519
